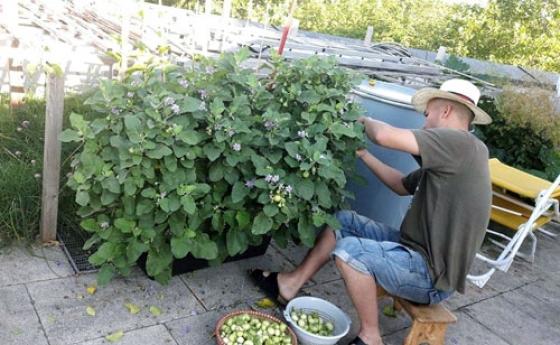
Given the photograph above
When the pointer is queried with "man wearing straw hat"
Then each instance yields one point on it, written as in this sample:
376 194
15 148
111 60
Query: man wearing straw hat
429 257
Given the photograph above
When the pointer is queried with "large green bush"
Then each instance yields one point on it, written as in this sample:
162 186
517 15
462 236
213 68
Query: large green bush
208 160
525 131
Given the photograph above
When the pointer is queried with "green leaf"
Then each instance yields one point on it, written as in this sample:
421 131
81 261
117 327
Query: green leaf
239 191
236 241
69 135
305 188
90 225
91 241
82 198
204 247
111 184
180 246
134 249
243 219
144 206
292 148
323 194
212 151
132 123
261 225
270 210
306 232
159 261
125 225
188 204
216 172
190 104
105 274
159 152
189 137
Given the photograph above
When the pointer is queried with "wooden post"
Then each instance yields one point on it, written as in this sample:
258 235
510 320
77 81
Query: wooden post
125 31
51 156
369 36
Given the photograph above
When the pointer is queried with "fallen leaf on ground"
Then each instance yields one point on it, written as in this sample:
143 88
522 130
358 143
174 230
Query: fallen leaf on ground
114 337
266 303
389 311
91 289
132 308
90 310
155 311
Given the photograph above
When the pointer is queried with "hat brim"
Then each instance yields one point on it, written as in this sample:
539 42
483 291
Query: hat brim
423 96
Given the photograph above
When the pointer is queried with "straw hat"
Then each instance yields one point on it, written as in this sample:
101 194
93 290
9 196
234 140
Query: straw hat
457 90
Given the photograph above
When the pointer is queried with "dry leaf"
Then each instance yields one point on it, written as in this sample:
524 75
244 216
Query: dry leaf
114 337
90 310
91 289
132 308
79 296
155 311
266 303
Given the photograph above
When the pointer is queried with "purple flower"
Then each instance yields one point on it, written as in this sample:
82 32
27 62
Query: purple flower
268 178
269 124
169 101
162 194
236 147
18 153
230 132
302 134
250 183
202 93
275 178
202 106
130 94
183 83
175 108
25 124
135 83
115 111
33 162
298 157
288 189
104 225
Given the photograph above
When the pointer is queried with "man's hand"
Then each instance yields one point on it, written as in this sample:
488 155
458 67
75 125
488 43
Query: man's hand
363 120
361 152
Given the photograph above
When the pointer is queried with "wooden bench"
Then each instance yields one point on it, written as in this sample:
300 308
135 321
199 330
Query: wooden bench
429 322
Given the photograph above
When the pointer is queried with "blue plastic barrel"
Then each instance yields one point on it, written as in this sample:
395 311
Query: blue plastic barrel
389 103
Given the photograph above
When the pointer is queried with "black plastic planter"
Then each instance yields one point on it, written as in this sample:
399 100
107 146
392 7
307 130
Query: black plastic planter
190 263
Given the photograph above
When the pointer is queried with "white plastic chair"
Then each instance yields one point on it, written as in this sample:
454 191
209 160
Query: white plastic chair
545 204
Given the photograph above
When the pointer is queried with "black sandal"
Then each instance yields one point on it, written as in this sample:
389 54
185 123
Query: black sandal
268 284
357 341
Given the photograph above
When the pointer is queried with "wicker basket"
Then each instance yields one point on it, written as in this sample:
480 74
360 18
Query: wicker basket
257 314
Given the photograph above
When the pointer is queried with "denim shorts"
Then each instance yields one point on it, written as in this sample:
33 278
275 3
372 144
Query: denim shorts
373 248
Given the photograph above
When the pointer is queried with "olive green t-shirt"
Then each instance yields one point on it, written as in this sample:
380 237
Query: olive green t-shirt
449 212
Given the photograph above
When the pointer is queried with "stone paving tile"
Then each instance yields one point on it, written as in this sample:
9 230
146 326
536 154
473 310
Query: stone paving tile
511 323
465 332
540 300
153 335
295 255
22 265
229 284
335 292
19 324
63 310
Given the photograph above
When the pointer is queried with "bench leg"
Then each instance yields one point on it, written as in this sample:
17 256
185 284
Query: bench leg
426 333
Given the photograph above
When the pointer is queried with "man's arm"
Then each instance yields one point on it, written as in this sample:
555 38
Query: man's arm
392 178
391 137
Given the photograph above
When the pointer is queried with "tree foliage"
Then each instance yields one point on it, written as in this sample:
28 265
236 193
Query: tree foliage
517 32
